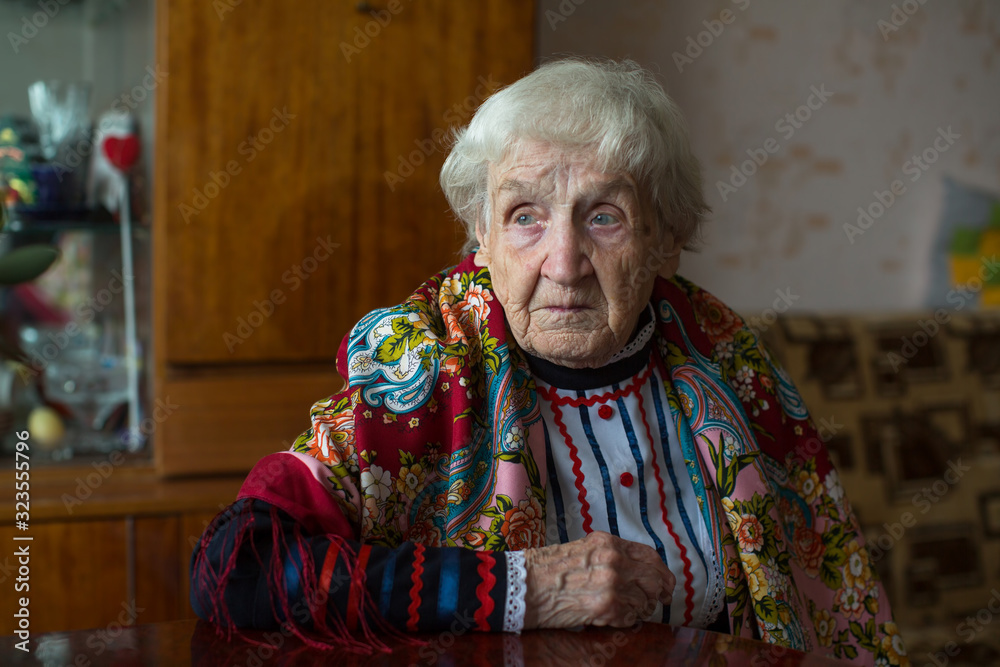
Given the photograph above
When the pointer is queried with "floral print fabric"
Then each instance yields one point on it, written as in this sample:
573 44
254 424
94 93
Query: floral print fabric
436 440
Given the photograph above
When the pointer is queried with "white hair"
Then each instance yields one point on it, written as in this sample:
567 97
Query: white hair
616 109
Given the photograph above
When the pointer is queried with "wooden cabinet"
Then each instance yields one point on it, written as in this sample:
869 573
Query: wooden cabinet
101 572
118 556
297 153
75 574
298 148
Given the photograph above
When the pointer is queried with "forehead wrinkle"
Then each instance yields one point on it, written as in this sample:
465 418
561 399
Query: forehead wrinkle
610 190
613 187
596 191
515 187
560 182
511 189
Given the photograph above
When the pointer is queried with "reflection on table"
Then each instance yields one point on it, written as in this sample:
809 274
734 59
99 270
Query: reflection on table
197 643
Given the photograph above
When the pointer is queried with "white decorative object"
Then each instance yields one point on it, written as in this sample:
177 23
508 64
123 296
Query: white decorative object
115 150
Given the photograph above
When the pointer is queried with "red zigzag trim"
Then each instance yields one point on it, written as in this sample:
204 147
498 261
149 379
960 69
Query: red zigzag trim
688 588
574 455
553 396
486 604
418 584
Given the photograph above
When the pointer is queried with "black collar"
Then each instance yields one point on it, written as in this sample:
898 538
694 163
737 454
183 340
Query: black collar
581 379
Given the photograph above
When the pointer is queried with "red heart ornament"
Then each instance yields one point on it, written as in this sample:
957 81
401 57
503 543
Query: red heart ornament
122 152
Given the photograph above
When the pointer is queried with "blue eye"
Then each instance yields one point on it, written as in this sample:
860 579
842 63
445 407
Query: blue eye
604 219
525 219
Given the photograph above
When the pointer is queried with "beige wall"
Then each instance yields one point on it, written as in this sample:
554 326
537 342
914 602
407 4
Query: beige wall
784 228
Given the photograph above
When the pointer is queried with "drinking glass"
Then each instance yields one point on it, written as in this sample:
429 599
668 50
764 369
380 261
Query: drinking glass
61 110
87 377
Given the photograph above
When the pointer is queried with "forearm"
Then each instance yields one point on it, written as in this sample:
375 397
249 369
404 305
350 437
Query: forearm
262 575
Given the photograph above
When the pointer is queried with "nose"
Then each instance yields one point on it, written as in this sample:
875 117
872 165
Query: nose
566 257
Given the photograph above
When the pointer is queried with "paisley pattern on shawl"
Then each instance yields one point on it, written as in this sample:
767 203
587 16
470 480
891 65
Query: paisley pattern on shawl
795 562
410 441
431 441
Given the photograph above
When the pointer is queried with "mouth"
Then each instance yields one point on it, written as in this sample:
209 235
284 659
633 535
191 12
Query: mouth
566 309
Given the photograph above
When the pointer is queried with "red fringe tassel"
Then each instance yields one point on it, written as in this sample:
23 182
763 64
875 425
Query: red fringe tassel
330 631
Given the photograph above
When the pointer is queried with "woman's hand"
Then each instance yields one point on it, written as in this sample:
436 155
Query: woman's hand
599 580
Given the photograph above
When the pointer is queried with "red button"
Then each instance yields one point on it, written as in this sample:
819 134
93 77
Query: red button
605 412
626 479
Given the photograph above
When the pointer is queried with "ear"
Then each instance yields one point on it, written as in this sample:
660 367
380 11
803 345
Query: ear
482 258
669 255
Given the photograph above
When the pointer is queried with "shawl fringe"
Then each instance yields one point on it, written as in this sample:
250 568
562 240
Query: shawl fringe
362 633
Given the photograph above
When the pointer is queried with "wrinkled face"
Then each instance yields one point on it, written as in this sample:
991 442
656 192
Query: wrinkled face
572 252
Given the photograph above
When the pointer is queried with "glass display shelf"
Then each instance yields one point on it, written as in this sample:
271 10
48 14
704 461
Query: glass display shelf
78 388
98 221
81 330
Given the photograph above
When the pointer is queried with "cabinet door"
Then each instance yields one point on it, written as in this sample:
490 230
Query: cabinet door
79 572
160 590
298 151
77 579
298 147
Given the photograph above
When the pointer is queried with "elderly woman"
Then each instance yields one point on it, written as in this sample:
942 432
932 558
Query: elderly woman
557 431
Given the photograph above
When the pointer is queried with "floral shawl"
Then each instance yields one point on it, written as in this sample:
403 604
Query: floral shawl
436 439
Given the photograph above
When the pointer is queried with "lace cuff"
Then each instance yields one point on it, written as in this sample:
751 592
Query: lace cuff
517 575
715 597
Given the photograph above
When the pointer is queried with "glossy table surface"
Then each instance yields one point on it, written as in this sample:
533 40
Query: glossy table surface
196 643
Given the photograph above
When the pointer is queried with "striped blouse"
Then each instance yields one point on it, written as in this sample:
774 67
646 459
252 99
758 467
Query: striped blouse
615 464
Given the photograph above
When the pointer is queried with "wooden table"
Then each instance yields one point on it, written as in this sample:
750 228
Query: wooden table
180 643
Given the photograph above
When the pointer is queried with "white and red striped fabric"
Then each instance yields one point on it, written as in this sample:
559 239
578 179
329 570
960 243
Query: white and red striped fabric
615 464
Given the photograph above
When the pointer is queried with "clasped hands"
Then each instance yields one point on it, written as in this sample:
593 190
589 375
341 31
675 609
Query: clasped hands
599 580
